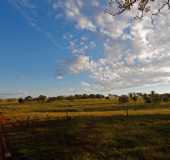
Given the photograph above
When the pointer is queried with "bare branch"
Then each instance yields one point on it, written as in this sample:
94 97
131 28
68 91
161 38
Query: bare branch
117 7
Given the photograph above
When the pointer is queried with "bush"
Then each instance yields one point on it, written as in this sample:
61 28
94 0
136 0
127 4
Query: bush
20 100
123 99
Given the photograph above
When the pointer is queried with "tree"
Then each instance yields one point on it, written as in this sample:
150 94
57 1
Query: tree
92 96
124 100
51 99
165 97
117 7
152 93
20 100
60 98
70 97
155 98
130 95
146 98
134 97
28 98
42 98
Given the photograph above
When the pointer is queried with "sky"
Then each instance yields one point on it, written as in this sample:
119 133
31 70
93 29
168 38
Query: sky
63 47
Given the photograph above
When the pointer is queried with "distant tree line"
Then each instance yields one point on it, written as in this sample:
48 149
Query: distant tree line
43 98
150 98
147 98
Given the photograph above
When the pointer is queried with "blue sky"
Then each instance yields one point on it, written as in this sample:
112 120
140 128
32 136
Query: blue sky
58 47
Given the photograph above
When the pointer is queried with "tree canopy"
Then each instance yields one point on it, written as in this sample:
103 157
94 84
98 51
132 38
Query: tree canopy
141 7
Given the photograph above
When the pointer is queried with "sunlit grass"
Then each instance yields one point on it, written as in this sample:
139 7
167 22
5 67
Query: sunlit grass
79 108
88 129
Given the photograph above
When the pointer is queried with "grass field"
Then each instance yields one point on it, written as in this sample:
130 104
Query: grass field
88 130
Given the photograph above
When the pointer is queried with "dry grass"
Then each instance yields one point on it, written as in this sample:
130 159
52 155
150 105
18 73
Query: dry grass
58 115
88 130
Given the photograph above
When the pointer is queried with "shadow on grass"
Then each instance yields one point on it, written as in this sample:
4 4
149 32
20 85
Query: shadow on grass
93 138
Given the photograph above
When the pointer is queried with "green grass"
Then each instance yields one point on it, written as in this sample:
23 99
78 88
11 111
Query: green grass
135 137
91 129
58 108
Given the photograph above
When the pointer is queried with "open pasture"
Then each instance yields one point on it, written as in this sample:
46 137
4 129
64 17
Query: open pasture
87 130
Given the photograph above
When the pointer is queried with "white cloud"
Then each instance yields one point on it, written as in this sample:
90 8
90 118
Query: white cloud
85 84
85 23
110 26
59 77
145 60
73 11
95 3
135 53
82 63
81 45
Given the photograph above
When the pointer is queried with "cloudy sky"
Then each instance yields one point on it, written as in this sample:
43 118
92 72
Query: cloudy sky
57 47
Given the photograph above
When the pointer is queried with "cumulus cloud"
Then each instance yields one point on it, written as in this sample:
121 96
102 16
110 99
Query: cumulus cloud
59 77
85 84
135 53
110 26
95 3
82 63
135 58
72 9
81 45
